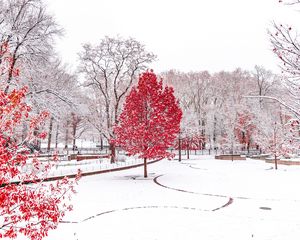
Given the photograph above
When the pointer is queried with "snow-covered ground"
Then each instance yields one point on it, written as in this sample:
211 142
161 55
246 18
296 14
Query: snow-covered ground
201 198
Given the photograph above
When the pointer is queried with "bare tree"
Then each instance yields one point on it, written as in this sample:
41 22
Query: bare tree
75 125
194 91
263 79
111 67
96 114
265 83
286 46
29 32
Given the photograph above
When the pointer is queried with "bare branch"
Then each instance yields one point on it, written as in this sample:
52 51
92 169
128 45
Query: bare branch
290 108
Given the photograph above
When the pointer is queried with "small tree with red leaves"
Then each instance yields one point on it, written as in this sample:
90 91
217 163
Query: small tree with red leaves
244 129
150 120
27 205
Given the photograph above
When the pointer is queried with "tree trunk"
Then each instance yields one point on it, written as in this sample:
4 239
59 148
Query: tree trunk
188 149
232 151
101 143
11 69
112 147
215 131
37 146
179 148
248 147
203 134
56 136
24 131
275 147
74 147
145 168
67 135
50 134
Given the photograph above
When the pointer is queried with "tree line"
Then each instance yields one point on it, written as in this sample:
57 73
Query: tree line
227 110
224 110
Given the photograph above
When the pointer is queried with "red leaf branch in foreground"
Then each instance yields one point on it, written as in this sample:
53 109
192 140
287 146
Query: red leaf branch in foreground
150 120
27 205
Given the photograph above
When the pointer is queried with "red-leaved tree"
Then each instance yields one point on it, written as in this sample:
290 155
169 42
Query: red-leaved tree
150 120
27 204
244 129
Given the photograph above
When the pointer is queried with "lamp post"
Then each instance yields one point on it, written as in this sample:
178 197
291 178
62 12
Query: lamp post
179 147
275 143
188 147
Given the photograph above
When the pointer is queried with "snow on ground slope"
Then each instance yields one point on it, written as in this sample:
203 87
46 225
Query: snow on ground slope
200 198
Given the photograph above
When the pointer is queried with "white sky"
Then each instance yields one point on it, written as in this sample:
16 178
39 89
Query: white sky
186 35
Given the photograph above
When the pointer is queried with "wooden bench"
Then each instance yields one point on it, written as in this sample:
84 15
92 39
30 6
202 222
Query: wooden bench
230 157
86 157
260 157
283 162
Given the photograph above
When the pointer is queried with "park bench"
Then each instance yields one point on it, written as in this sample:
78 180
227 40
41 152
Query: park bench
230 157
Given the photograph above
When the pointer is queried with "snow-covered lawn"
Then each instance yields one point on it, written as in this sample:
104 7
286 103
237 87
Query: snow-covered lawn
201 198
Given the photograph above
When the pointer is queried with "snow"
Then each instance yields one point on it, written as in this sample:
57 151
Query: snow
193 201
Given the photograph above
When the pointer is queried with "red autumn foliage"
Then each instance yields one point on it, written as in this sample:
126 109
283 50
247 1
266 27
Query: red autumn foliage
150 120
27 205
244 129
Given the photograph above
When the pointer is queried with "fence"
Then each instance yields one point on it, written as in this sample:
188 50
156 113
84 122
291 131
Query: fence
94 150
64 168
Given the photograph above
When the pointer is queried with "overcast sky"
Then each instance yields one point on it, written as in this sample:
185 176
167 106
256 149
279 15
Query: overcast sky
186 35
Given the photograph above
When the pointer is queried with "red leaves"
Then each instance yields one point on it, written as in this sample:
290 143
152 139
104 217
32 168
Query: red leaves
42 135
31 209
244 128
7 61
150 119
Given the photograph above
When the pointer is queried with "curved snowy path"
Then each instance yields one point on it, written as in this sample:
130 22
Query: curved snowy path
200 199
